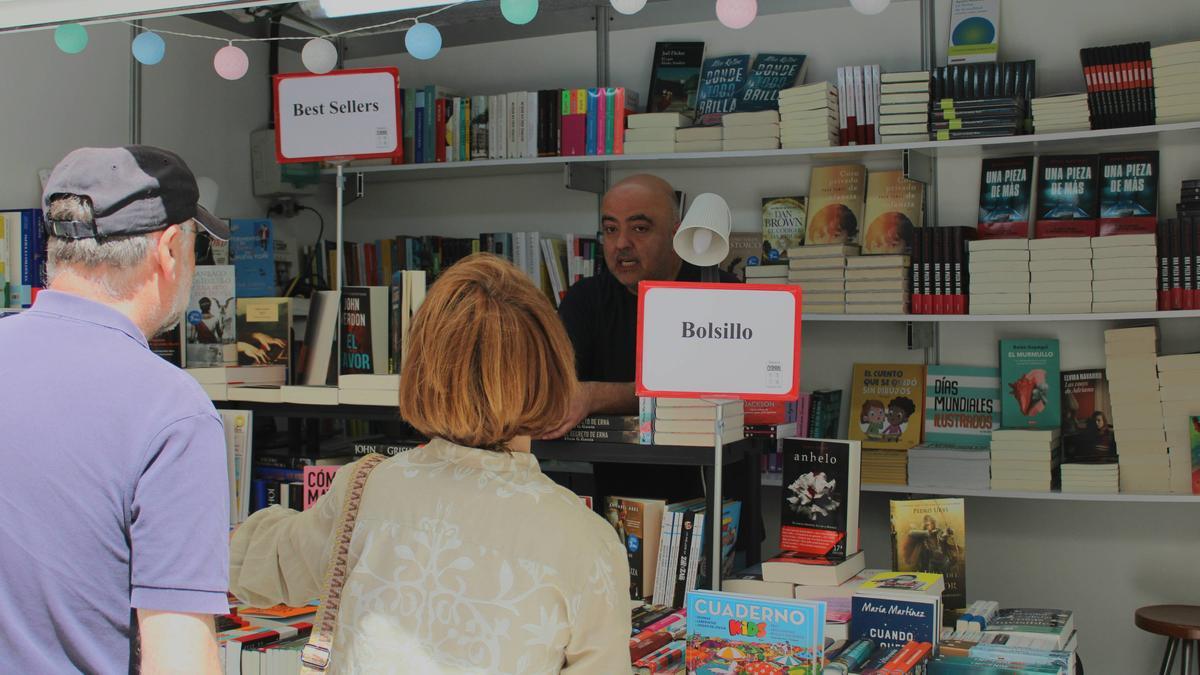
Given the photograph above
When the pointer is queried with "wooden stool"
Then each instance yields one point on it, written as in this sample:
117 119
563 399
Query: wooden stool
1179 623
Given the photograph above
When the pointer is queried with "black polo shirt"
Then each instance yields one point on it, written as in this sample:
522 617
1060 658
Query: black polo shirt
600 315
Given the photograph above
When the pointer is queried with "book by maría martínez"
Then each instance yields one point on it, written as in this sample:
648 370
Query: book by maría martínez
895 618
726 630
887 405
1029 381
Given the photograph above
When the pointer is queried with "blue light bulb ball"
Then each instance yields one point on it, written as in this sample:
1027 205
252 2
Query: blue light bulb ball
519 12
423 41
71 38
974 31
149 48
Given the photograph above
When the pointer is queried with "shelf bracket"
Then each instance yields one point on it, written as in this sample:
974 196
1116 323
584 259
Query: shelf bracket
920 335
918 166
584 177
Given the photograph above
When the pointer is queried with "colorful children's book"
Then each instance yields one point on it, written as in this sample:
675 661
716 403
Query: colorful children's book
929 536
962 405
1029 375
728 633
1194 436
819 514
887 405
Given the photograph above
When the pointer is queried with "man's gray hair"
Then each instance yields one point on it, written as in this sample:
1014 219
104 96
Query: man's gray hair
113 263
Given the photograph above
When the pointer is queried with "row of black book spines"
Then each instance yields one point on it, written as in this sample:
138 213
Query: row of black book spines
1178 243
984 80
1120 85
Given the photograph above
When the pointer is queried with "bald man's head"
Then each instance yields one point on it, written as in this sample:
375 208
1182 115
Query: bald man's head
638 217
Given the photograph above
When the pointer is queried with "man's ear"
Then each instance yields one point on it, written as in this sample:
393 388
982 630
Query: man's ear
170 250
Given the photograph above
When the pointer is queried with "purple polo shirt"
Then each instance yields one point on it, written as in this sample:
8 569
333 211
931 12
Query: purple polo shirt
113 489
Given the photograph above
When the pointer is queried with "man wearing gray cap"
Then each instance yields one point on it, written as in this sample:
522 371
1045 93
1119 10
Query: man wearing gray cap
115 495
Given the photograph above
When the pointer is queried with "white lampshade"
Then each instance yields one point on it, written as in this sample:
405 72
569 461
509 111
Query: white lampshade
703 236
209 191
870 6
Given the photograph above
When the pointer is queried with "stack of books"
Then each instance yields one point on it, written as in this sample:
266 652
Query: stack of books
608 429
977 100
1123 272
999 276
767 274
1061 282
1065 112
369 390
858 114
904 107
889 467
1090 477
1026 459
932 466
877 284
808 116
1179 390
1120 86
750 130
793 578
1176 82
698 139
688 421
652 133
820 271
1131 366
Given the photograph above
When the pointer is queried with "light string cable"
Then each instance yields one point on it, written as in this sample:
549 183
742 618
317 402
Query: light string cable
361 31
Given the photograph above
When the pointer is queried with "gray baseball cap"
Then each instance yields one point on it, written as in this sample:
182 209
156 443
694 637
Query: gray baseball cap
133 189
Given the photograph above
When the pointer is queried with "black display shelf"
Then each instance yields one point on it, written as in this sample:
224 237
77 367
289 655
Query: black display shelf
386 413
631 453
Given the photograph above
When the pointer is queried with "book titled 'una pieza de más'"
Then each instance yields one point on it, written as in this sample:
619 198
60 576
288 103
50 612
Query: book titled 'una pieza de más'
1004 193
819 512
1128 193
1029 381
1067 196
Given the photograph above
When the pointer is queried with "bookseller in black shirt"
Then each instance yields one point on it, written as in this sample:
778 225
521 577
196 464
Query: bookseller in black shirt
639 217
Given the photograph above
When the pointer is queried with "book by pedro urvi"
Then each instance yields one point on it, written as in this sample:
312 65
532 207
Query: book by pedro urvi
930 535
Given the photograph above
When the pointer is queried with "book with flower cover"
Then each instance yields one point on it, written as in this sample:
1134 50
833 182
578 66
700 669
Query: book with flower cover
1030 393
819 510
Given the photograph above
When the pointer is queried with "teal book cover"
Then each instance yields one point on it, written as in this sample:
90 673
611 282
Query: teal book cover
1030 382
728 633
962 405
721 84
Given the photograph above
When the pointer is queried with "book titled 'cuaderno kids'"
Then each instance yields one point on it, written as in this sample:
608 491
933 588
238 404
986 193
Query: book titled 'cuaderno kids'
728 633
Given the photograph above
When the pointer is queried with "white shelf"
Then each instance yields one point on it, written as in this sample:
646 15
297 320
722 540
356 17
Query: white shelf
999 318
1029 144
776 480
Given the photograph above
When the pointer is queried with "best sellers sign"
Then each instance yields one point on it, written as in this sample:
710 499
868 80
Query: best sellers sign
346 114
718 341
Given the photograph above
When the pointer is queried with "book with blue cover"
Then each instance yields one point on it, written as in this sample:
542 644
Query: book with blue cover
721 83
252 248
1030 379
893 618
962 405
727 633
770 73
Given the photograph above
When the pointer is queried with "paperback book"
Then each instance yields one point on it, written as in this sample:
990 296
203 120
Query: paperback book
1029 372
894 618
783 220
1128 193
1067 196
210 332
675 77
638 523
819 514
721 83
770 73
930 535
836 196
252 249
1087 431
365 332
962 405
974 31
894 210
1194 437
888 400
730 633
745 250
264 331
1004 193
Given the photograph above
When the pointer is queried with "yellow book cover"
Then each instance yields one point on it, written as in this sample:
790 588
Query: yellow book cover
835 204
887 404
783 226
894 209
917 582
930 535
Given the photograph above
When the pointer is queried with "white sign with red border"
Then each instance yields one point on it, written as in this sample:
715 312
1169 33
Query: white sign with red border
346 114
699 340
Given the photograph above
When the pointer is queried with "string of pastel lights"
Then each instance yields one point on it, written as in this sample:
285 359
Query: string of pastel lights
421 40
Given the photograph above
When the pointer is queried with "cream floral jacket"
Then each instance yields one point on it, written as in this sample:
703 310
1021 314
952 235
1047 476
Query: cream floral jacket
463 561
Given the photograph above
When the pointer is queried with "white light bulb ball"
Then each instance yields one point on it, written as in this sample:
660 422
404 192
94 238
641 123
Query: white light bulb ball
319 56
628 6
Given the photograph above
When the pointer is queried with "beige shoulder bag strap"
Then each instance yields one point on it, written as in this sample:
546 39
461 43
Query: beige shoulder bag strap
314 658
